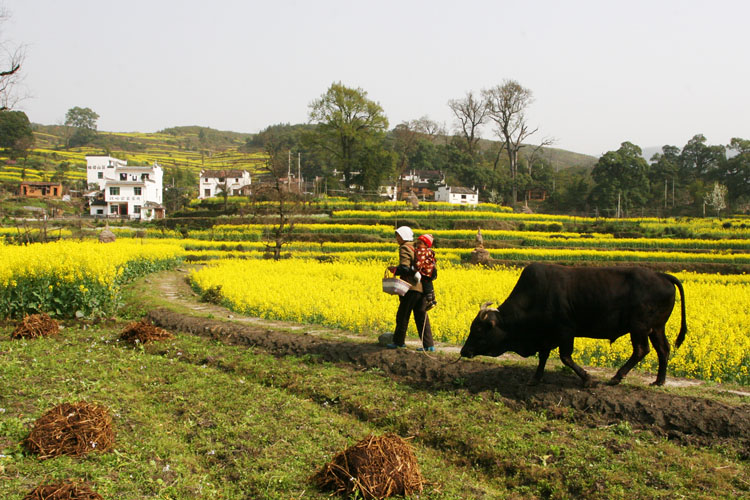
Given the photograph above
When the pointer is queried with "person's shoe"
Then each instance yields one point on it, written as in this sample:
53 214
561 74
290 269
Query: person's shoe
396 346
428 349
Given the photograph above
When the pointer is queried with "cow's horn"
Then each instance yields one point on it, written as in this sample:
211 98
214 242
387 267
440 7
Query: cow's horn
485 306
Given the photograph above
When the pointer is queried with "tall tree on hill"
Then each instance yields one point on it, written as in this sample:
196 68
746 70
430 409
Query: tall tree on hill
348 122
471 113
507 105
735 173
699 160
663 174
82 121
11 60
621 179
15 133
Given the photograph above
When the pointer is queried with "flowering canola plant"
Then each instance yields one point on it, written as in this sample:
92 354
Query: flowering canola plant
348 295
68 277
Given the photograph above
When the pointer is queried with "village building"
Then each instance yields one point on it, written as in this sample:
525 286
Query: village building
457 195
422 183
122 190
231 181
30 189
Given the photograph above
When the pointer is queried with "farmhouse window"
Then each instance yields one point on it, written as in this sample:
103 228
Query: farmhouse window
207 193
100 175
136 209
137 191
123 177
144 177
113 209
114 191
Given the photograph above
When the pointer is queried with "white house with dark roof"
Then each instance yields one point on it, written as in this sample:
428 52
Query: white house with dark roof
213 182
133 191
457 195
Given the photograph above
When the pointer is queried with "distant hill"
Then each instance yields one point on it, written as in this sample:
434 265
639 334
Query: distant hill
191 147
558 158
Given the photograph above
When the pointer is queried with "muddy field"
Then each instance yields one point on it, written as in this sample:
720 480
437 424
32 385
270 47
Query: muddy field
689 420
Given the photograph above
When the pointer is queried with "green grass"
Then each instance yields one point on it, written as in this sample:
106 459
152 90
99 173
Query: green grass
198 419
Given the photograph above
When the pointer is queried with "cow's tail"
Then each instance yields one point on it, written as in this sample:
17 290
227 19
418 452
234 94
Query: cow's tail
683 325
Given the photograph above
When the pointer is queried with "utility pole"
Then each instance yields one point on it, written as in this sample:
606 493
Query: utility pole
299 174
619 213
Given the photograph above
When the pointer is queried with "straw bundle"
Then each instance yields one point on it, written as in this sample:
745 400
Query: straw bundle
72 429
35 325
144 332
376 468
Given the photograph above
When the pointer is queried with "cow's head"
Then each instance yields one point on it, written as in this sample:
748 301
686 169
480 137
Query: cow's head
485 336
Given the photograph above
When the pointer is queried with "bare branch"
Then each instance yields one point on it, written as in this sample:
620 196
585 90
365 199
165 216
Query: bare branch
471 113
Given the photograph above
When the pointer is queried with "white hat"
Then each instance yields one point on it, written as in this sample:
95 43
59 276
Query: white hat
406 233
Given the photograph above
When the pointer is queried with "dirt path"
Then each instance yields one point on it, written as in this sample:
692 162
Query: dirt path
687 419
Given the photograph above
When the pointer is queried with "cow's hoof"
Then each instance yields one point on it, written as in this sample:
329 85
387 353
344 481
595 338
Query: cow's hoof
657 383
614 381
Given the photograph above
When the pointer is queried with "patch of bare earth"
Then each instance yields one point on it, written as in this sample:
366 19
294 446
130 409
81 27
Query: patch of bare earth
691 420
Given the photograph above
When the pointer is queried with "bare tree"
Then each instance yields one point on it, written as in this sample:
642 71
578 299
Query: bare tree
506 106
278 191
430 128
11 60
471 113
405 137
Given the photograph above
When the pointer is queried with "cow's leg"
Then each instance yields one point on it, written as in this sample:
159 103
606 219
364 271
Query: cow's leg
543 355
639 339
566 356
661 346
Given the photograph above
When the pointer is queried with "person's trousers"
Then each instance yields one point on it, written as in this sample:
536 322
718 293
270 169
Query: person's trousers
412 302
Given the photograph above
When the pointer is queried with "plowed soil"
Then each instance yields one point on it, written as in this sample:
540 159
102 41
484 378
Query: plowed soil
690 420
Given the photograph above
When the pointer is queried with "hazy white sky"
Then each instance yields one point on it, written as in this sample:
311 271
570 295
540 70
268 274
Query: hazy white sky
602 72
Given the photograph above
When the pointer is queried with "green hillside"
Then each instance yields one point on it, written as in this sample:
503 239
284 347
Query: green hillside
190 147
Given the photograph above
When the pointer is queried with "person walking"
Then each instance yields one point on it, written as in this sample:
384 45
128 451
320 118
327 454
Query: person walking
413 301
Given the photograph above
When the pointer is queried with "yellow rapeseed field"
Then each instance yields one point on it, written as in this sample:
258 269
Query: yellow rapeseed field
65 277
347 294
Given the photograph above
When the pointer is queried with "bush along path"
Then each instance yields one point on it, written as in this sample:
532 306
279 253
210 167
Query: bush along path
688 419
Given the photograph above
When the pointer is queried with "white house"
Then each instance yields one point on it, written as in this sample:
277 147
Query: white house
457 195
124 191
213 182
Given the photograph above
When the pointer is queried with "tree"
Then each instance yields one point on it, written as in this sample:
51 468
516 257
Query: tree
83 123
347 123
429 128
735 172
16 134
179 188
621 179
507 104
61 171
471 113
698 160
716 198
276 167
663 174
405 141
11 60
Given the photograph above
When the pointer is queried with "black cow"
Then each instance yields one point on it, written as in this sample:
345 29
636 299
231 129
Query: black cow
551 305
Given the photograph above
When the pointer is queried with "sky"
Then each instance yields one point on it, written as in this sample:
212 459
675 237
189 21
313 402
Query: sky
601 72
